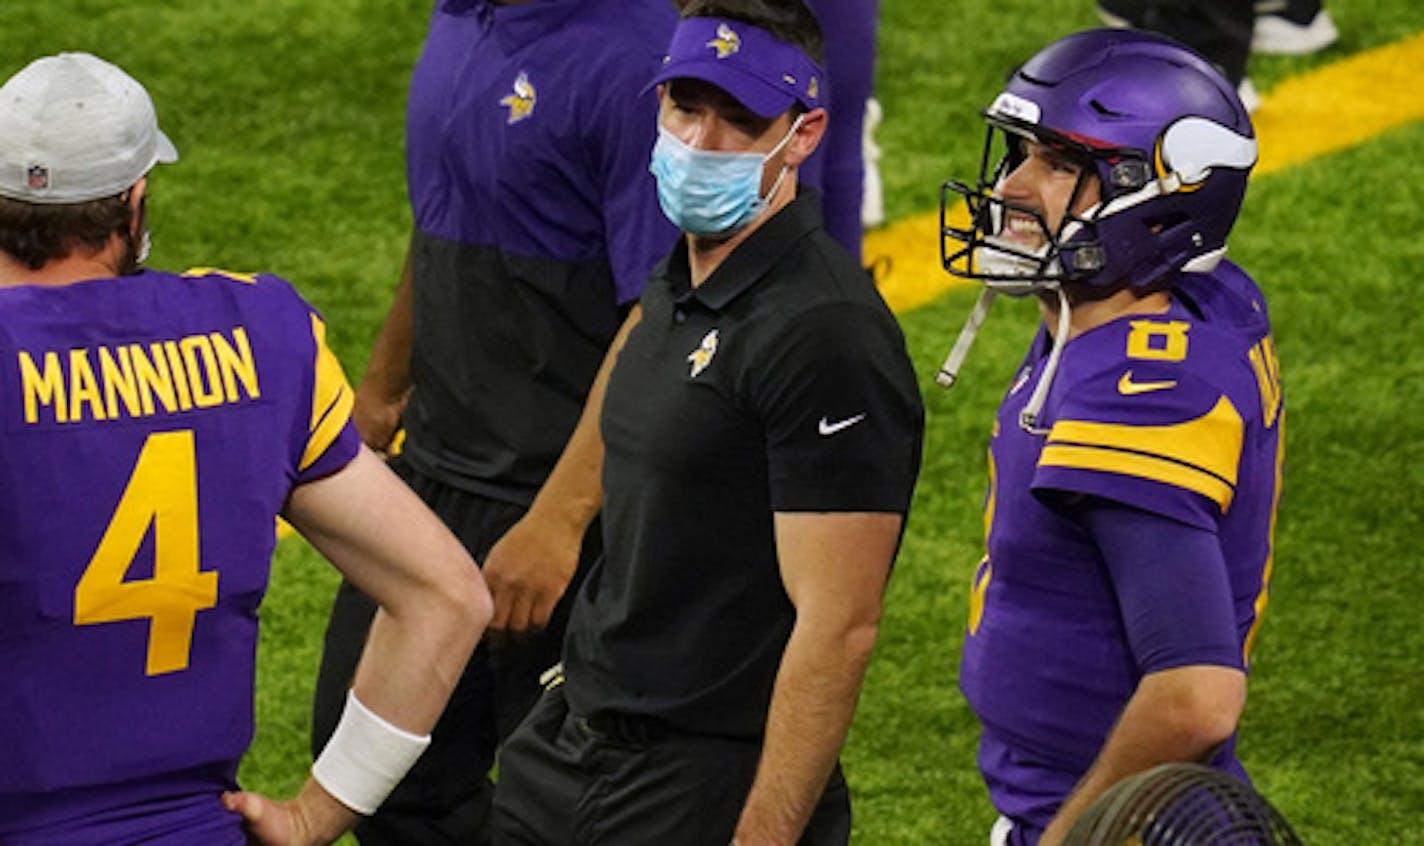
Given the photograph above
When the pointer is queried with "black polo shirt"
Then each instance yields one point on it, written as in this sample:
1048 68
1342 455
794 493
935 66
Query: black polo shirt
780 384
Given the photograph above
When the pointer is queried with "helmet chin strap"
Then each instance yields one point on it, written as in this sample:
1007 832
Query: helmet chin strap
1028 418
949 372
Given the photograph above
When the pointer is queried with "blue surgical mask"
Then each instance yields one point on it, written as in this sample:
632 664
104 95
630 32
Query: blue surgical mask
711 192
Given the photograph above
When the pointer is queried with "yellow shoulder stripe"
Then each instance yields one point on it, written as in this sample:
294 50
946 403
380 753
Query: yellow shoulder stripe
247 278
332 398
1200 455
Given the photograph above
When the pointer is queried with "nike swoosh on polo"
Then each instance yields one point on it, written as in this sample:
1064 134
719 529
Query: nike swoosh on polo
827 428
1127 387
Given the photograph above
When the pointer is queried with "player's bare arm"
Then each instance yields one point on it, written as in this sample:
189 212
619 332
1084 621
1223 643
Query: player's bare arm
433 607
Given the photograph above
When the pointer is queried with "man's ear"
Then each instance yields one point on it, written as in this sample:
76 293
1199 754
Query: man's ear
135 195
807 138
135 199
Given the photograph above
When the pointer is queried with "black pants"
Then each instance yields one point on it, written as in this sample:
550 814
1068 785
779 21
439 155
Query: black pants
564 782
445 799
1218 29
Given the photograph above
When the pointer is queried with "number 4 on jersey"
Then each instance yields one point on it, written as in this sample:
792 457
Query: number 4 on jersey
162 492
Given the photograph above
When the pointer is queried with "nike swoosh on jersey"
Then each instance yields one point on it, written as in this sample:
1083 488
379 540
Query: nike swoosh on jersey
1127 387
827 428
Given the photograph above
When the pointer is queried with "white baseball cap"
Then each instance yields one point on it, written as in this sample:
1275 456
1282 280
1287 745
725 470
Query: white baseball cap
75 128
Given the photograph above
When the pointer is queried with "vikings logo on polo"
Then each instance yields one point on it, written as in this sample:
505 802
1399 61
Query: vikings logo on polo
521 102
702 356
727 41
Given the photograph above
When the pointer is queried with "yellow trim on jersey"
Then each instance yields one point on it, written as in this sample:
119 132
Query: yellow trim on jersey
1267 366
331 398
246 278
1264 597
1142 466
1200 455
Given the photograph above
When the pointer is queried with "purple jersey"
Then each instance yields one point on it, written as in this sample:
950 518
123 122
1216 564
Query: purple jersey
838 165
1178 414
536 221
509 145
154 425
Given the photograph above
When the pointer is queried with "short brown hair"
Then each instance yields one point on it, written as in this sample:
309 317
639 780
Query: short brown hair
36 234
788 20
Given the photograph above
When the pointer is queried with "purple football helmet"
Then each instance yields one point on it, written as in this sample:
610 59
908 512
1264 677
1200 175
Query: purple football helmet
1162 130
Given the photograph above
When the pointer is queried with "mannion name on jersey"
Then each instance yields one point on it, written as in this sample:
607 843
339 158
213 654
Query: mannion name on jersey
134 380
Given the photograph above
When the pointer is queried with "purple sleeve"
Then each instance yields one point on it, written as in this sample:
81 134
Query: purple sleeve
838 165
1172 587
340 453
1175 452
636 231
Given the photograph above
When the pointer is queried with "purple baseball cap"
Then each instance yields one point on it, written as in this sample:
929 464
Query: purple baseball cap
763 72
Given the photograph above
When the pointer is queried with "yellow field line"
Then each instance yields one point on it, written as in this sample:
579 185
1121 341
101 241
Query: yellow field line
1341 105
1327 110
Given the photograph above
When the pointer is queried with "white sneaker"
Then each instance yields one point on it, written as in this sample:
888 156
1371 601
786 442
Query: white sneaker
1279 35
1112 19
1249 97
872 204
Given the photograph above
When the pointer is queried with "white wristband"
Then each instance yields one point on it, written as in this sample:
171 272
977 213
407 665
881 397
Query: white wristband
365 758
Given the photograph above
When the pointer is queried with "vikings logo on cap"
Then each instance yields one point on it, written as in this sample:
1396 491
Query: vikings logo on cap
521 102
727 41
702 356
763 73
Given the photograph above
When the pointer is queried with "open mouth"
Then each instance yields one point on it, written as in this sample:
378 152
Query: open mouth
1022 231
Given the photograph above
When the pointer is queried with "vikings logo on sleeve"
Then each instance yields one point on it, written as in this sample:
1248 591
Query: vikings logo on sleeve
521 102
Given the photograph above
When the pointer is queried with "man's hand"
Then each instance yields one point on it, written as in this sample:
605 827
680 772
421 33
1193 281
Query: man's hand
529 569
527 572
311 819
377 415
385 387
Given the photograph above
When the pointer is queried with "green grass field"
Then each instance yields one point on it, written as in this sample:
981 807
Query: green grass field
289 116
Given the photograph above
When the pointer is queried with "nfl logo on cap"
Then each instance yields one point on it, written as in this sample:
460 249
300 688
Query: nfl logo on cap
38 177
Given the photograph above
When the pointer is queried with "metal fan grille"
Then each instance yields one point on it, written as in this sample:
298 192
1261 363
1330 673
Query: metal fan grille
1181 805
